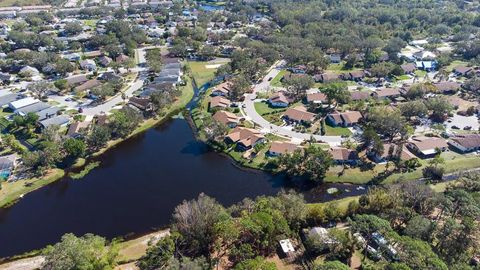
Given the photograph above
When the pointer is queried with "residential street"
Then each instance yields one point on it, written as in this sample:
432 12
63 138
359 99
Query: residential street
252 115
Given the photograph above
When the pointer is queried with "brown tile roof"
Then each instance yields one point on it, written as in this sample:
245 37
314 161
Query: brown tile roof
405 155
408 67
225 117
360 95
283 147
76 127
121 58
428 143
224 87
143 103
447 86
245 136
316 97
278 97
219 101
299 114
76 79
462 69
92 54
351 117
340 153
467 140
387 92
88 85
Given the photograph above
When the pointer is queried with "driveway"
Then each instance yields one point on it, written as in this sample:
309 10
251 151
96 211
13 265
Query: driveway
111 103
252 115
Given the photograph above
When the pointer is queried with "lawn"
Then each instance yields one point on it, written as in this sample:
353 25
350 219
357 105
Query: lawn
402 77
201 73
11 191
276 81
339 68
264 108
341 204
420 73
337 131
453 162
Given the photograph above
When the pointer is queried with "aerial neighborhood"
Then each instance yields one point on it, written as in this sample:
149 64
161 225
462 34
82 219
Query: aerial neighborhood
380 96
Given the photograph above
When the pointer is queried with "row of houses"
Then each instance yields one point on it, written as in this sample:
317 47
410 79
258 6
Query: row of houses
47 115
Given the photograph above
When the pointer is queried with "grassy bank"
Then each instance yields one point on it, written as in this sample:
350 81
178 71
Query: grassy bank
90 166
11 191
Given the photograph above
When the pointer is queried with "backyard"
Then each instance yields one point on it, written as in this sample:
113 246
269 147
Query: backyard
204 71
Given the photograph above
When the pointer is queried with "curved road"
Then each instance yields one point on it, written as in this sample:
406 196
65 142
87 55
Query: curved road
252 114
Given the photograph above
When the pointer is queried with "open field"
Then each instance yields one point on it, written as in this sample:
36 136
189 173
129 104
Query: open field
203 72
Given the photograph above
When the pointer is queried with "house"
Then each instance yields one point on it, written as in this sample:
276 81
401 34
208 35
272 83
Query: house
5 78
278 100
356 76
335 58
47 113
110 76
219 102
8 98
78 129
59 120
462 71
88 85
88 64
427 146
300 69
101 119
104 61
76 80
222 89
287 247
385 93
426 65
245 138
344 119
72 57
227 118
466 142
326 77
409 68
122 58
92 54
319 233
7 165
360 95
18 104
32 108
280 148
29 71
141 103
317 98
447 87
405 154
341 155
424 55
299 115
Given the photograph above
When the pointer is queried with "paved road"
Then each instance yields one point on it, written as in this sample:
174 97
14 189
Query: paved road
266 126
111 103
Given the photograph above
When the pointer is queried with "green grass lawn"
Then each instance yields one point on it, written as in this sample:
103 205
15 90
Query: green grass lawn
420 73
337 131
201 73
402 77
339 68
264 108
276 81
453 162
